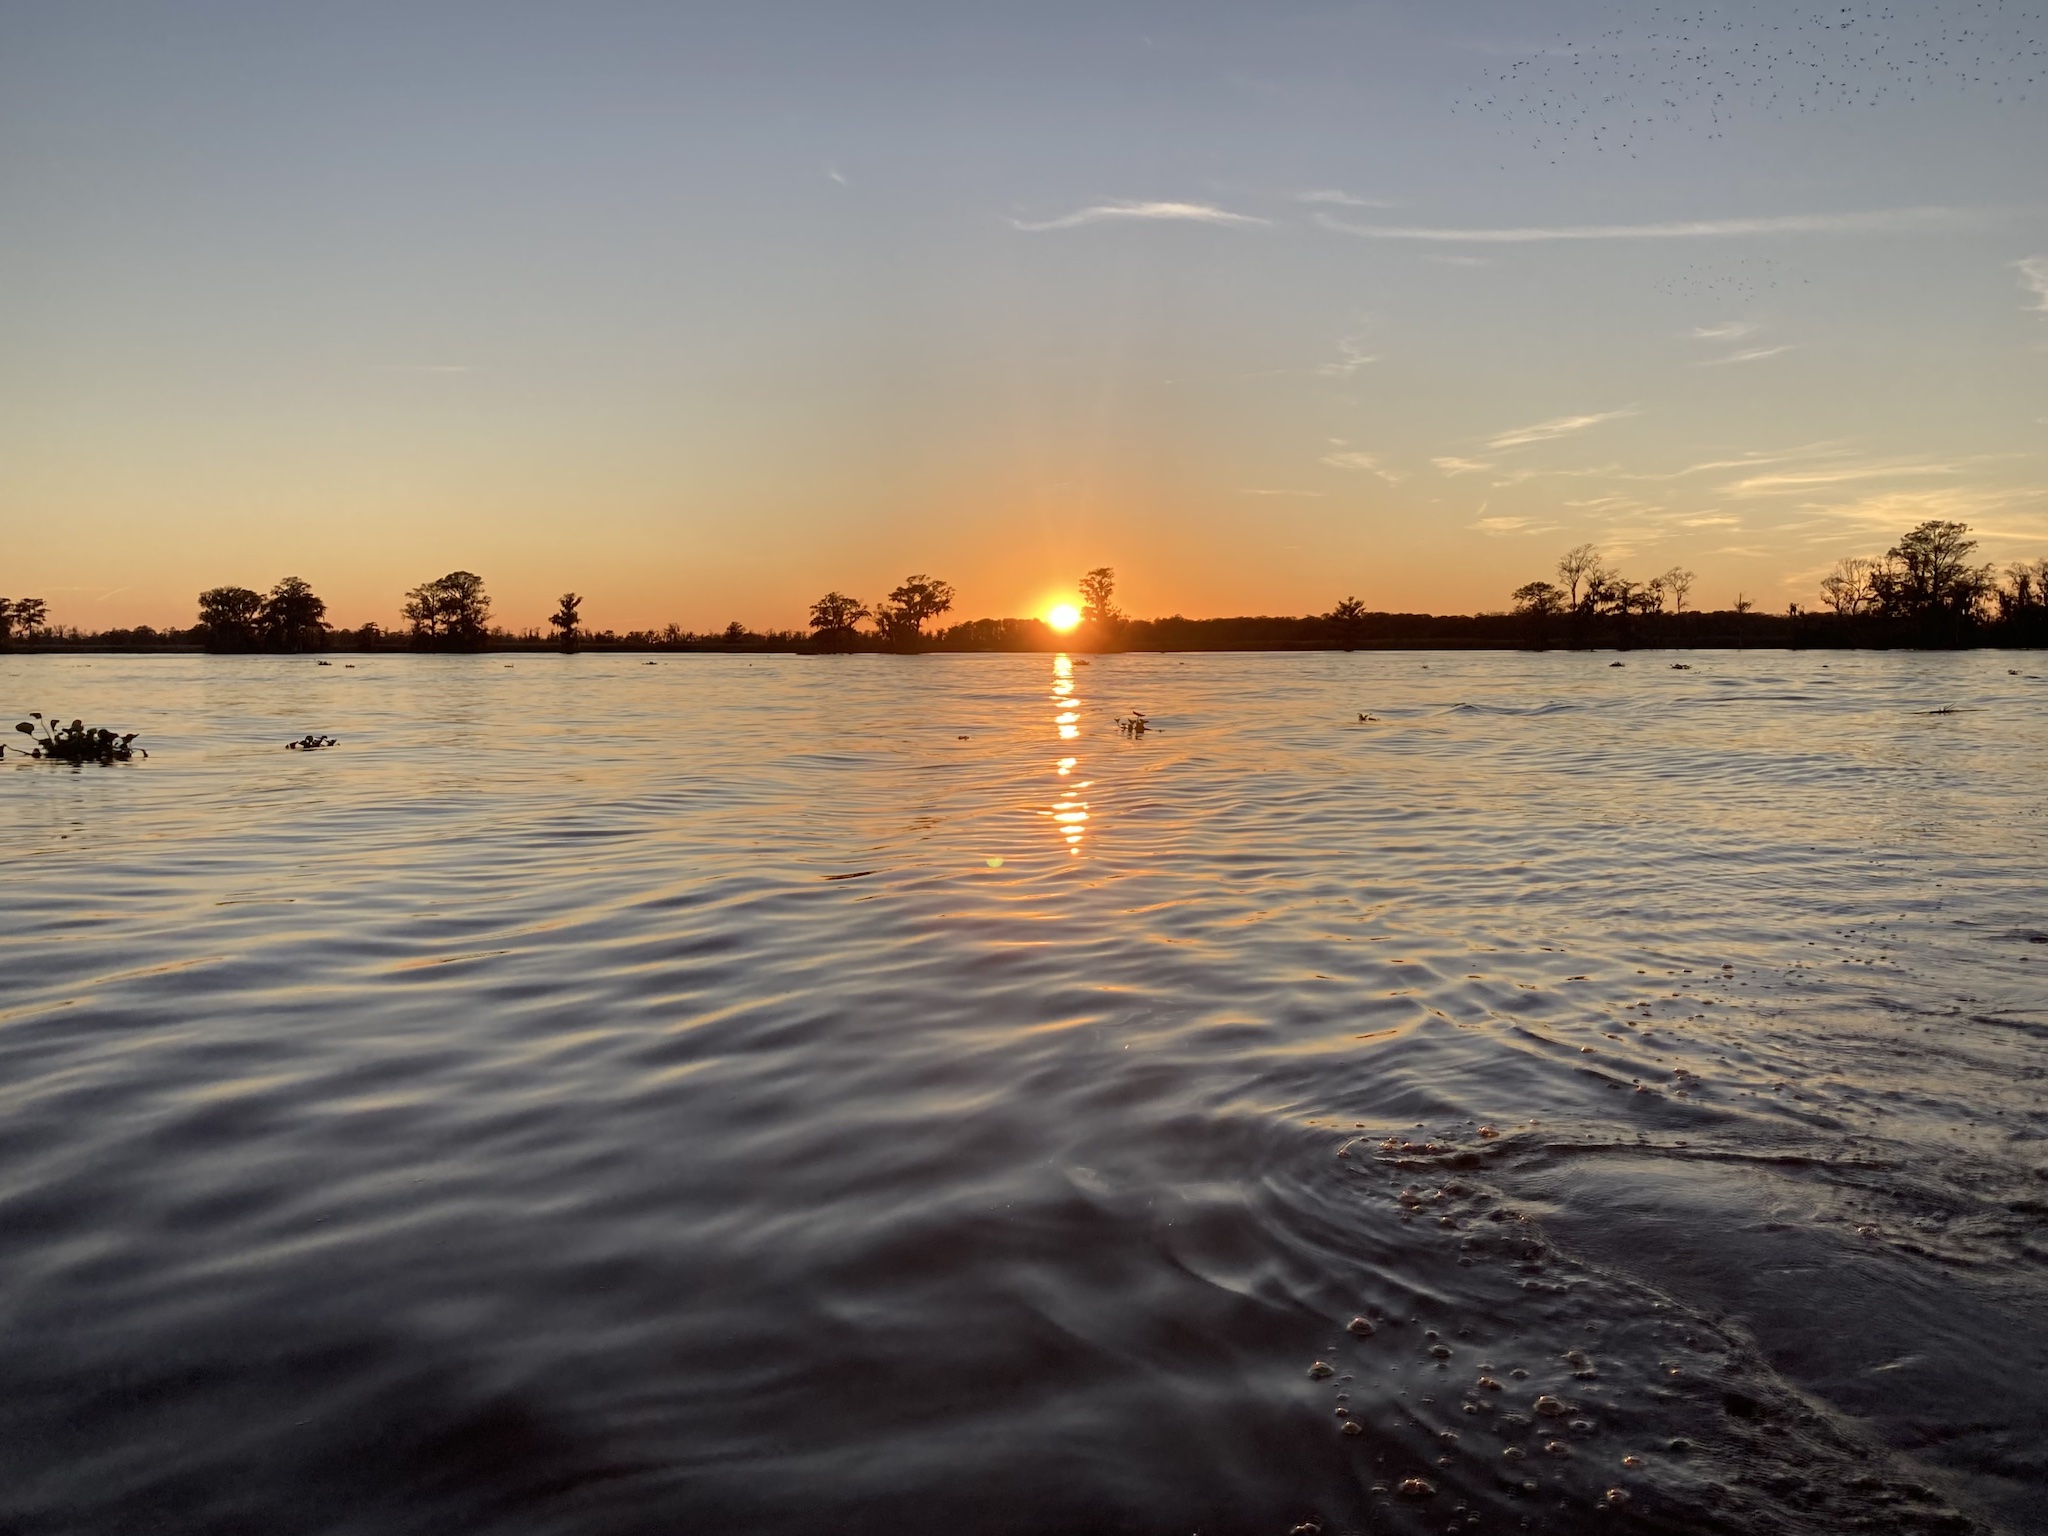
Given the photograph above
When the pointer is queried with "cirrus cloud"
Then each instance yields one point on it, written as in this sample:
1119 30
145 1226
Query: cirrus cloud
1189 213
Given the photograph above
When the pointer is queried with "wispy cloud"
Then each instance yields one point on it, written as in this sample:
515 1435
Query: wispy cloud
836 174
1879 221
1351 356
1545 431
2034 278
2014 515
1727 330
1341 199
1753 355
1191 213
1365 461
1500 525
1806 481
1456 466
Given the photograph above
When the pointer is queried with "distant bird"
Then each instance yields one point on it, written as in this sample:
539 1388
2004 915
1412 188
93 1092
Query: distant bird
1370 719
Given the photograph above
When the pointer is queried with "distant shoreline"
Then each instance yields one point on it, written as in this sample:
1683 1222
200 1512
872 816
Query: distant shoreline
779 647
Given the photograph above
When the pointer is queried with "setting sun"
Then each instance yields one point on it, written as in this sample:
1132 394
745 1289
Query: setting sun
1063 616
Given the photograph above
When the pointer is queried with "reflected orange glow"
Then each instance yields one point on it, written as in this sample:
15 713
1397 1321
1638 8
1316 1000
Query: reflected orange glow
1069 812
1062 616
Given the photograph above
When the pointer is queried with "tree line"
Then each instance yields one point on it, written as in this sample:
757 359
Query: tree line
1924 590
899 620
1928 576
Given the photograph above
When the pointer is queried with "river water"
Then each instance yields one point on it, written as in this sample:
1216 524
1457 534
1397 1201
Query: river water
878 1095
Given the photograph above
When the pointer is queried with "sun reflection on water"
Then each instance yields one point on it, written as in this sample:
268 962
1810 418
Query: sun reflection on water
1069 812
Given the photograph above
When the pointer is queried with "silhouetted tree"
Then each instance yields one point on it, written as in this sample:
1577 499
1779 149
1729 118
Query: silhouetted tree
452 611
835 618
1619 596
1578 569
1928 574
735 632
1846 588
1348 620
919 598
1678 582
1539 598
23 616
230 618
566 618
293 618
1097 589
2025 588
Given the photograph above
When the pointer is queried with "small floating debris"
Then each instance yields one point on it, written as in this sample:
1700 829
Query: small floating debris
1515 1453
1353 1427
1617 1496
323 663
1631 1461
77 742
1370 719
1617 663
1551 1407
311 743
1136 725
1360 1327
1320 1371
858 874
1679 666
1418 1487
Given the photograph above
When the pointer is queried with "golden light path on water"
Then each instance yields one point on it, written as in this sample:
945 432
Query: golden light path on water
1069 812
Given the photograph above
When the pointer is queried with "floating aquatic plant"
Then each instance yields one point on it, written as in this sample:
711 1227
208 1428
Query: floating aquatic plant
311 743
1137 725
77 742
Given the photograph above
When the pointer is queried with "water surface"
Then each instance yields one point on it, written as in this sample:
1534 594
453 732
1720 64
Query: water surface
874 1095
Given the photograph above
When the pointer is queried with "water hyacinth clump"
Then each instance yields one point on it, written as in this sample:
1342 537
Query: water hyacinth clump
77 742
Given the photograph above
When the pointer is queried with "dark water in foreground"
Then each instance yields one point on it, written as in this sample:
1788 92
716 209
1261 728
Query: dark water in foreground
611 1098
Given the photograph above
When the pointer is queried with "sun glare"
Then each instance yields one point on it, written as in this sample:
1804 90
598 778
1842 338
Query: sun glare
1063 616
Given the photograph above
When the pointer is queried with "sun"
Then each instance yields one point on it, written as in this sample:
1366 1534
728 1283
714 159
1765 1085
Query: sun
1063 616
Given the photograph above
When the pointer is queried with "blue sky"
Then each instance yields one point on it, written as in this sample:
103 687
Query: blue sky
702 310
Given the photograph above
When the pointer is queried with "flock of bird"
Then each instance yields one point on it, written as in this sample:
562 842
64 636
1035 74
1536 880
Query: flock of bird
1699 68
1726 280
